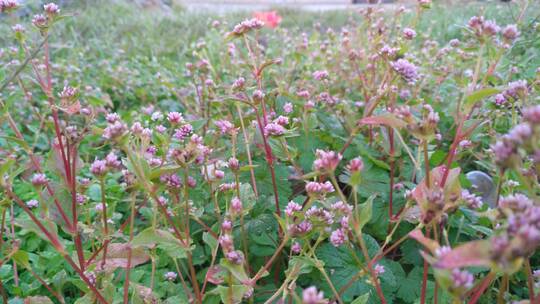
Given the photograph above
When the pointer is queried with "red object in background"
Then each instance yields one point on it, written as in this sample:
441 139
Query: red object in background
271 18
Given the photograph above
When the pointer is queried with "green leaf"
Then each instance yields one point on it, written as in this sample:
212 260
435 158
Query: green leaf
302 265
117 256
177 300
28 225
247 196
342 266
143 294
363 299
365 211
38 300
210 241
478 95
164 240
16 140
237 271
409 288
231 295
386 119
22 258
94 192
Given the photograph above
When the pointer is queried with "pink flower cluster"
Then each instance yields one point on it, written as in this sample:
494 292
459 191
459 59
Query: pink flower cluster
326 161
407 70
247 25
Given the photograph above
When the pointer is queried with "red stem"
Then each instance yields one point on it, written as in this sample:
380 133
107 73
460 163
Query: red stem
270 162
126 280
104 219
452 154
392 169
424 275
530 283
77 236
12 222
122 227
36 164
54 293
56 244
480 290
49 91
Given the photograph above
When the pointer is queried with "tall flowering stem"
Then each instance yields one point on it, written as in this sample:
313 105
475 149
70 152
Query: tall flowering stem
128 268
270 162
257 72
392 173
104 220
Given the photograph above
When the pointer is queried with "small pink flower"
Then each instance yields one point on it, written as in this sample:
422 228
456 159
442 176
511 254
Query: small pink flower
114 130
326 161
236 205
233 164
356 165
175 118
238 83
379 269
219 174
226 225
112 161
225 127
310 295
51 9
465 144
342 207
442 251
112 117
490 28
170 276
99 207
39 21
409 33
510 32
303 94
407 70
162 201
274 129
292 207
338 237
183 132
161 129
320 75
235 257
288 108
462 278
98 167
191 182
296 248
317 189
258 95
247 25
226 242
282 120
81 199
8 5
32 204
39 179
156 116
17 28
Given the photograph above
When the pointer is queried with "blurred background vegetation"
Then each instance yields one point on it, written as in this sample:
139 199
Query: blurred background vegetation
136 53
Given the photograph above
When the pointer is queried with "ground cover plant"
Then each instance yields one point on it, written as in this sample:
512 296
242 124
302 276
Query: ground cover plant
372 156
